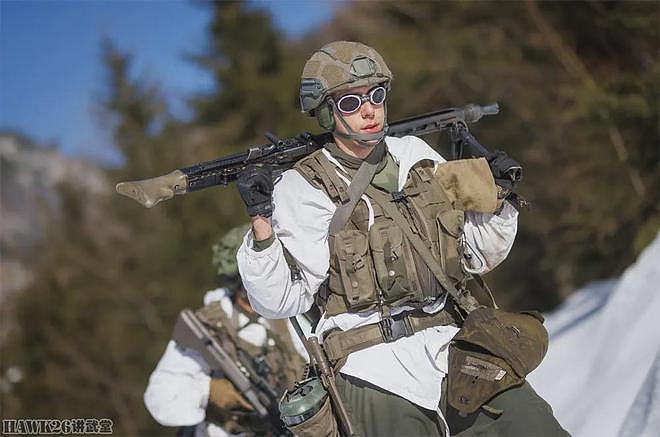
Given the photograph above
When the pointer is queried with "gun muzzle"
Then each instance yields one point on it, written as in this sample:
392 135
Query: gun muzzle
473 113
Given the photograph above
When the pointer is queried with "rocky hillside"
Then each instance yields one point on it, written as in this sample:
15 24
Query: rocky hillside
29 177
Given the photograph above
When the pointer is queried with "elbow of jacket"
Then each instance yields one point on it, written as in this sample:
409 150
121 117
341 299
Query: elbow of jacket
165 411
157 410
275 311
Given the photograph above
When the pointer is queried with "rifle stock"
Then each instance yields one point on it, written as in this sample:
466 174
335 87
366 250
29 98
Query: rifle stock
281 154
149 192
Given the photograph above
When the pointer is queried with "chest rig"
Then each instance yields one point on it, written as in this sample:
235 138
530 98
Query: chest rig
276 361
372 263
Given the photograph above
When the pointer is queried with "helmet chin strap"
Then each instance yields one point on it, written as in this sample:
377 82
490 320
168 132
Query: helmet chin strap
364 140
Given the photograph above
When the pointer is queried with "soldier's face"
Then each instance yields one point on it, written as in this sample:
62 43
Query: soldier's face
368 118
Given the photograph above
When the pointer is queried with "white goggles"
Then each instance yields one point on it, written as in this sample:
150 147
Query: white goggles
349 103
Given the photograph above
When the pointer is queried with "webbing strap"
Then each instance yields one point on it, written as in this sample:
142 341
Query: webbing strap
464 300
342 214
486 288
339 344
359 184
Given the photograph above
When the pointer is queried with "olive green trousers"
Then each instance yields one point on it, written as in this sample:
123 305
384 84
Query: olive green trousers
516 412
376 412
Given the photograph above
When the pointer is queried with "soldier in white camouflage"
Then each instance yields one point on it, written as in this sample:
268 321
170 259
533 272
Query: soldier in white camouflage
183 390
350 220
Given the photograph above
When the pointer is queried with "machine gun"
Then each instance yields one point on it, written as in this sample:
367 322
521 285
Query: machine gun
282 154
247 374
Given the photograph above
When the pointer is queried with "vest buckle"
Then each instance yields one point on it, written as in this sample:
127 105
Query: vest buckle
399 196
395 327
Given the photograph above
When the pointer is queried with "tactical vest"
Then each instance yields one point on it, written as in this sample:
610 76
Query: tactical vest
277 358
375 266
278 353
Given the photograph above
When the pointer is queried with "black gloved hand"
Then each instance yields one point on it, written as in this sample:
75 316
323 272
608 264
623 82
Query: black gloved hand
506 171
255 184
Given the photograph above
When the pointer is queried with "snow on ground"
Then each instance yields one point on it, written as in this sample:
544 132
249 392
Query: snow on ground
602 371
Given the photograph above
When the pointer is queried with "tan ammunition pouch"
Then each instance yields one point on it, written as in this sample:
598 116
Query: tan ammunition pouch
364 261
493 351
378 259
469 184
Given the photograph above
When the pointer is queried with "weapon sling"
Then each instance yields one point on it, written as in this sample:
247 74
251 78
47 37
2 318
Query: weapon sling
358 185
365 173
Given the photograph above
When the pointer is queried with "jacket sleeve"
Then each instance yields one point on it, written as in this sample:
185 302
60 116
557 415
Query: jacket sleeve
178 389
301 217
489 238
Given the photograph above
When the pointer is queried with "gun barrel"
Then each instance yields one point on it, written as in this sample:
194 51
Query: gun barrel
473 113
439 120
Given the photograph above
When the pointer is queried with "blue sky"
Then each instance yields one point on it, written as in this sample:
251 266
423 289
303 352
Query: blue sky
50 66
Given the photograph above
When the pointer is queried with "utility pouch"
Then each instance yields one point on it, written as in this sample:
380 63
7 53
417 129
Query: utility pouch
493 351
469 184
321 424
356 274
306 410
450 228
393 261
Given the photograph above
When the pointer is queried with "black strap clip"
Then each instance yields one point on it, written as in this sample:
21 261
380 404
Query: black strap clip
399 196
395 327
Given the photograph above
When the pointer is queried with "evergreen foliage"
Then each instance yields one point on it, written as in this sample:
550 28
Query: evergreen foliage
578 86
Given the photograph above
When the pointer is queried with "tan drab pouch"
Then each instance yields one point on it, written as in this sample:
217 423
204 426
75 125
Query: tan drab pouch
321 424
469 184
494 350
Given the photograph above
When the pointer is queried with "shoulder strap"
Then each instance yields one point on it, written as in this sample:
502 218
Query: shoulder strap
320 173
359 184
463 299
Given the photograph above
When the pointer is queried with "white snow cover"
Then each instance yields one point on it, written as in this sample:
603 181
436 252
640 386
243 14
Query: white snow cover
602 371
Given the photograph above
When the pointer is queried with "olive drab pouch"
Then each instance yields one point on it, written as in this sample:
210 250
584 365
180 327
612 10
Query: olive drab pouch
393 262
493 351
450 228
355 273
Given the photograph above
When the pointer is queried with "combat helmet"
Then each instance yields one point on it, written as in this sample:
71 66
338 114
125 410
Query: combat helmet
335 67
224 251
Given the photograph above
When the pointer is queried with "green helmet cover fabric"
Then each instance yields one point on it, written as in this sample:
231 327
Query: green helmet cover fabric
337 66
224 251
